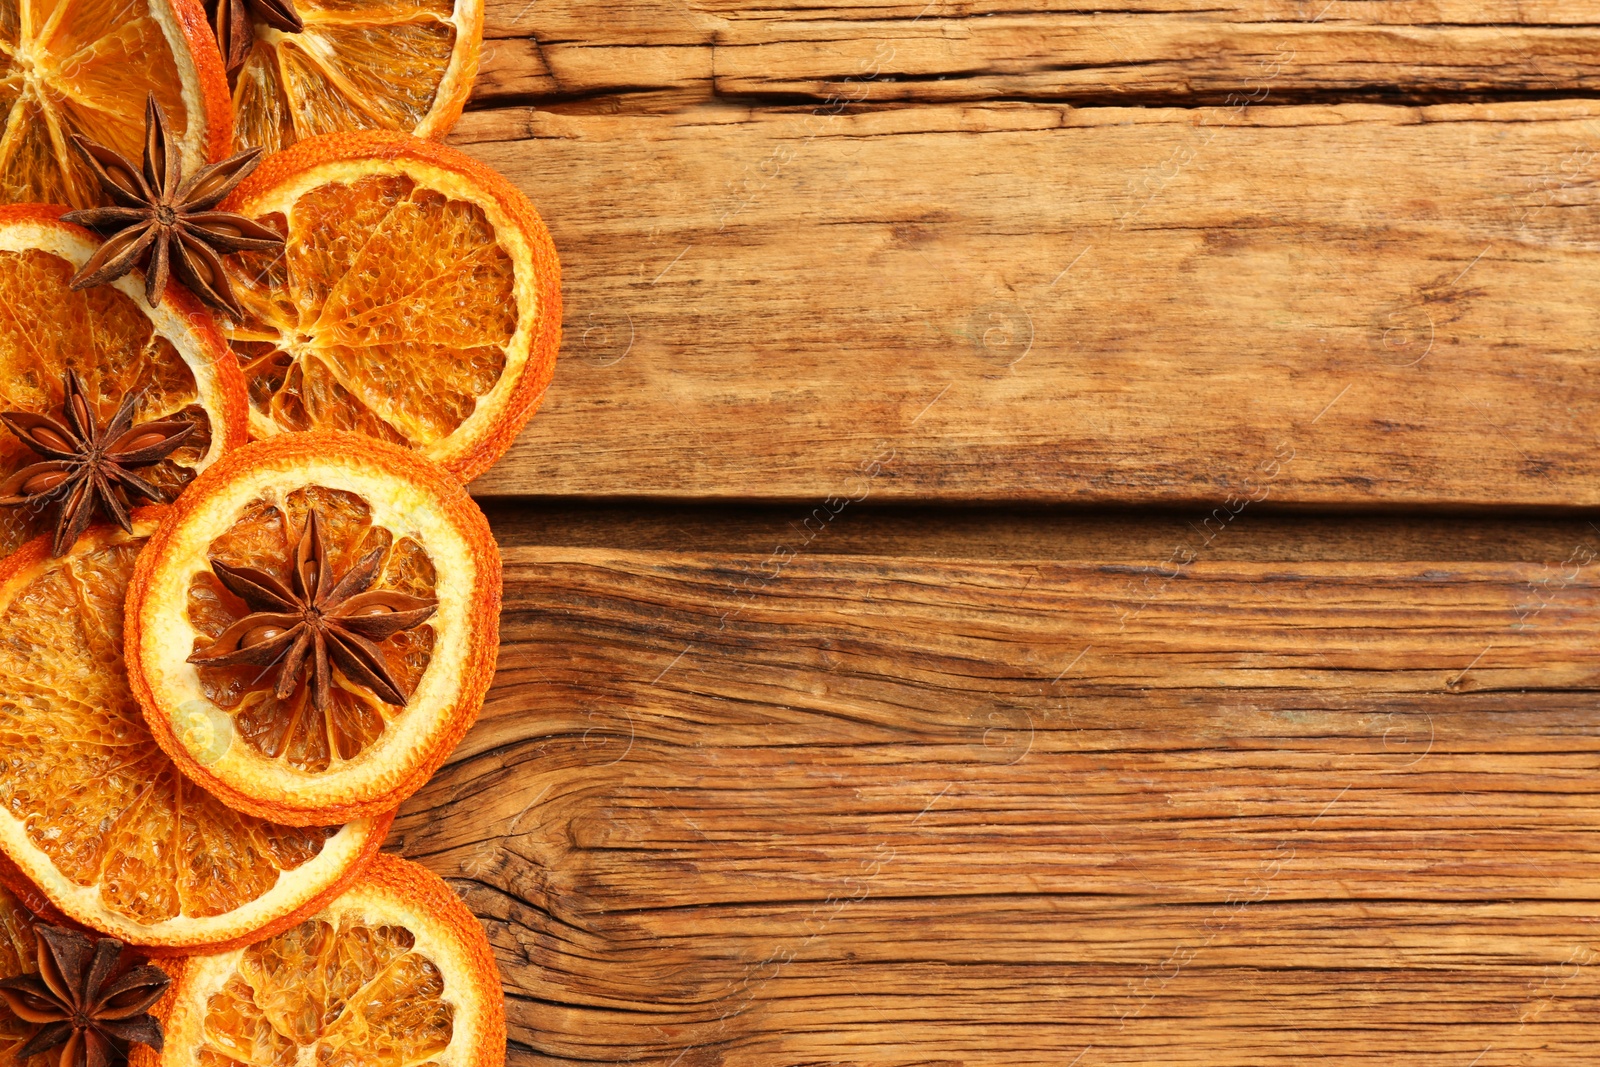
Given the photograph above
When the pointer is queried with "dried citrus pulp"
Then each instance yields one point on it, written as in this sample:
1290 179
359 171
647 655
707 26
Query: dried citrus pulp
211 708
394 972
170 357
16 957
92 812
418 299
342 598
359 65
86 66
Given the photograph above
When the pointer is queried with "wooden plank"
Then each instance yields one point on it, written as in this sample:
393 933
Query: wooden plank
1090 57
939 50
773 810
1342 305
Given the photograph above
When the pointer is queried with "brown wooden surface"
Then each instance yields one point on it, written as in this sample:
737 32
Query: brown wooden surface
916 649
888 810
1380 260
1108 303
940 50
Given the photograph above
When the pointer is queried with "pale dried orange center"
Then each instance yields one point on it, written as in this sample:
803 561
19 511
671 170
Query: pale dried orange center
81 772
357 65
18 955
390 313
45 328
292 730
351 995
77 66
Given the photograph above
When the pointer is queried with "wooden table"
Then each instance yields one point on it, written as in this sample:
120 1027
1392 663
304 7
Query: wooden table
1057 537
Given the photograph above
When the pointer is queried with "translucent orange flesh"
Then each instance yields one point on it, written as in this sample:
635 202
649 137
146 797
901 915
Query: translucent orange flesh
17 956
292 730
97 797
78 66
389 314
357 65
348 996
45 328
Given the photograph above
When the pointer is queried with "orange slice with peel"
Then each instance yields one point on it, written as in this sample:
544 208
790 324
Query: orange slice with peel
171 354
92 813
418 299
86 67
394 971
400 65
273 747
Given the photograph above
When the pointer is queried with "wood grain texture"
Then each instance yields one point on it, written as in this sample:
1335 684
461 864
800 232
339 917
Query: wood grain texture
945 50
1021 302
775 810
790 762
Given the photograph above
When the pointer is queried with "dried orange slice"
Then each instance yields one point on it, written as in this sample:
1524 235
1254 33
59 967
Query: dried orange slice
18 956
171 355
395 971
86 67
359 65
92 812
418 299
259 730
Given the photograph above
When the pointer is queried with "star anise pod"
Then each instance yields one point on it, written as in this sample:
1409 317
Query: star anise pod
233 23
88 1000
159 218
85 463
316 622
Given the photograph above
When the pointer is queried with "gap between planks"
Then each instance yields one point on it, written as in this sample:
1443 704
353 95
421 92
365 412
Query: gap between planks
999 532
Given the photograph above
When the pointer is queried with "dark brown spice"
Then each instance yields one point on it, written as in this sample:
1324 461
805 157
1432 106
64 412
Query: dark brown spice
233 23
166 222
315 623
89 1000
86 465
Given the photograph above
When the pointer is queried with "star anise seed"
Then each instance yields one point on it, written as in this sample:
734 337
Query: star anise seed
87 1000
233 21
315 623
84 463
166 222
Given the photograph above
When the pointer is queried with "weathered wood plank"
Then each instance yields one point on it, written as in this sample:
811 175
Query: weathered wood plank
775 810
1326 305
950 51
1093 58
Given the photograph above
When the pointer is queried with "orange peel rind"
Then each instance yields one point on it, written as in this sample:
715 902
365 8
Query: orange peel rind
93 815
281 759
